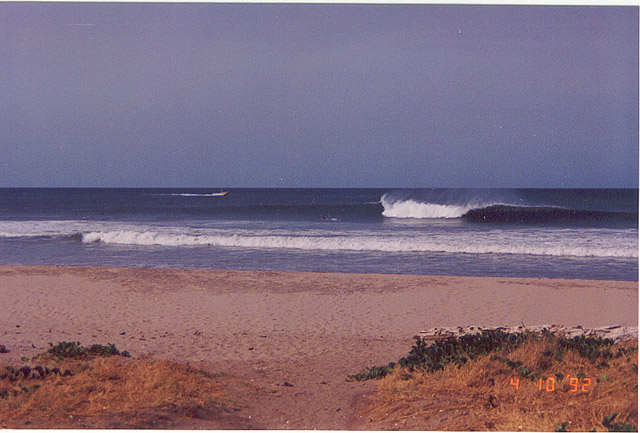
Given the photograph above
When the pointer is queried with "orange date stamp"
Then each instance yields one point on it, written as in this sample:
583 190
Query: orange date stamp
549 384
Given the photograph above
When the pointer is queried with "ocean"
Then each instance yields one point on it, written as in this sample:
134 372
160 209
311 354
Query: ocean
546 233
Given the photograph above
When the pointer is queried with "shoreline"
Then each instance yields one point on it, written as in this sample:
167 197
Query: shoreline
269 327
634 278
42 268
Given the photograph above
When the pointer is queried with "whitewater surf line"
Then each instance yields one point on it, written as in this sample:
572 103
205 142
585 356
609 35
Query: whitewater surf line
362 243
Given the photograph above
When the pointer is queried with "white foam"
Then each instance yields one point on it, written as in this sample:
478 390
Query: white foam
59 228
621 243
20 235
15 229
447 244
414 209
187 194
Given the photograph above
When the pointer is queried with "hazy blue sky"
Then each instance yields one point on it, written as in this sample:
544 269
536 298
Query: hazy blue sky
318 95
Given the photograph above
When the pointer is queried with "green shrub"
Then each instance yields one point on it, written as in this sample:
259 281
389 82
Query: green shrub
588 347
456 350
65 350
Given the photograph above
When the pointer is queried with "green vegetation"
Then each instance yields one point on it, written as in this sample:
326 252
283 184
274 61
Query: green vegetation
475 382
59 352
66 350
101 387
459 350
452 350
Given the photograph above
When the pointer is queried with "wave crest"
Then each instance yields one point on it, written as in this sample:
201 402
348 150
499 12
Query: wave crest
493 212
413 209
188 194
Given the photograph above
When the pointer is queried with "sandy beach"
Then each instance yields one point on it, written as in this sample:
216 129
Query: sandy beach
276 329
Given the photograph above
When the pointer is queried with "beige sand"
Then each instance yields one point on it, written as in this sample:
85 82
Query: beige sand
307 329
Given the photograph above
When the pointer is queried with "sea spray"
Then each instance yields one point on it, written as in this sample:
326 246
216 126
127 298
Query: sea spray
413 209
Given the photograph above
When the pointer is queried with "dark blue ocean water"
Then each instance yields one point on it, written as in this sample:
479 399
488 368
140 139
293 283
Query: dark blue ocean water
560 233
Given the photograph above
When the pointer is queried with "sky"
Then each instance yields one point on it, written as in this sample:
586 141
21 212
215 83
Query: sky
318 95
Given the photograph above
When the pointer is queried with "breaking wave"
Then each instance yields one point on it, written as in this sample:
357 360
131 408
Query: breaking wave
414 209
187 194
577 248
499 212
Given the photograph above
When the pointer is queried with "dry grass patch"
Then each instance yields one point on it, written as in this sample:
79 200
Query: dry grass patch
110 392
540 385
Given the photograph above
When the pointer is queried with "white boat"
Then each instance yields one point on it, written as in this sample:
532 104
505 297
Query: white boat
220 194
